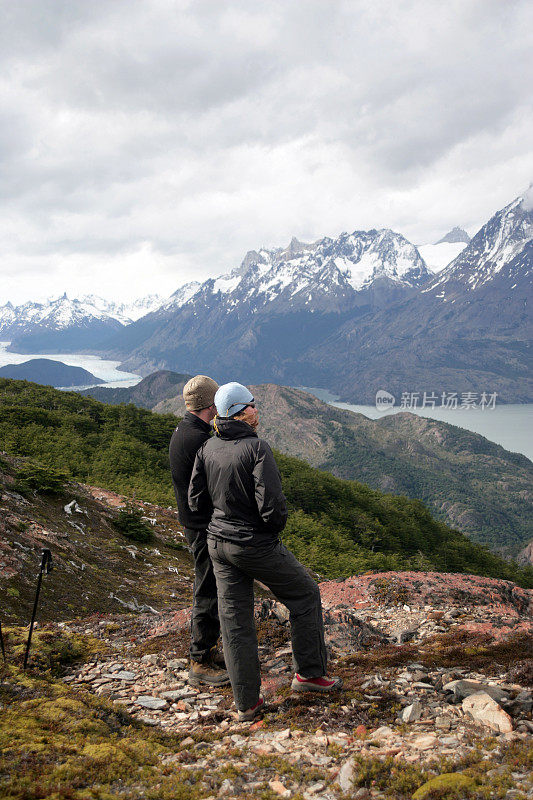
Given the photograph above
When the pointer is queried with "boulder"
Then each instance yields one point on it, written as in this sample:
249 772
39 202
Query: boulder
345 776
484 709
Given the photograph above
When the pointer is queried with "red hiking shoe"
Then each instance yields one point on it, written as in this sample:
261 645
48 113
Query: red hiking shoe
323 684
251 713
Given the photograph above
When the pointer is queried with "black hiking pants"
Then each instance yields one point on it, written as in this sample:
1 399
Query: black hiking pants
270 562
205 625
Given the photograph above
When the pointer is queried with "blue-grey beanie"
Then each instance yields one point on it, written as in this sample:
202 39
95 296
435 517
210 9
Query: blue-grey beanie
232 398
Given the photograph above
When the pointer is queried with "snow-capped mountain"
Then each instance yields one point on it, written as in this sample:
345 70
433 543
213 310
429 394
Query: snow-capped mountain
324 276
55 326
469 329
325 280
62 324
125 312
498 253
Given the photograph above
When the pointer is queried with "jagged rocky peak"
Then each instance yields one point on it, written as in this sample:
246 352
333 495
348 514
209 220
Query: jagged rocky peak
296 248
251 258
501 249
365 256
455 236
324 275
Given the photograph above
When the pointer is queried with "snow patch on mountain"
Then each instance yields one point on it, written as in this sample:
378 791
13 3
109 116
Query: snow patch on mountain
181 296
438 256
226 284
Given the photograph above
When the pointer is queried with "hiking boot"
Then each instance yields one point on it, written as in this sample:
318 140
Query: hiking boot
251 713
323 684
217 658
208 674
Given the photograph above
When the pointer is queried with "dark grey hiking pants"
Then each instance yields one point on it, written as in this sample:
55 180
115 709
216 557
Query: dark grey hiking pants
235 567
205 627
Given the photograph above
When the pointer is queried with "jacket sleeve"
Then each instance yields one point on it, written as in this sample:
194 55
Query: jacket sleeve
268 492
198 495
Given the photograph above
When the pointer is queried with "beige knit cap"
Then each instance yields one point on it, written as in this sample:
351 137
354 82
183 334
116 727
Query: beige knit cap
199 393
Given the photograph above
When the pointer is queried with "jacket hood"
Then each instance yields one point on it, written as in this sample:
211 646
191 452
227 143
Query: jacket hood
227 428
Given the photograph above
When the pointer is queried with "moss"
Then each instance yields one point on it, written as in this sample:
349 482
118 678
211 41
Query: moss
450 786
52 650
475 651
57 743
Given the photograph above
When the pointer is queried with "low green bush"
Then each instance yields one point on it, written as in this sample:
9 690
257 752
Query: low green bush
38 479
131 524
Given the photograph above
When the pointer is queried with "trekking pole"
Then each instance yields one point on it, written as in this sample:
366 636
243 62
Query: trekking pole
2 642
46 564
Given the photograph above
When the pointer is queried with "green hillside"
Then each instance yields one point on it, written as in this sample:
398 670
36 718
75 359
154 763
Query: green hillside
466 481
337 527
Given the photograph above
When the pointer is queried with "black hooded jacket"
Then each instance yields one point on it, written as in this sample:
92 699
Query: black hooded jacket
236 473
190 434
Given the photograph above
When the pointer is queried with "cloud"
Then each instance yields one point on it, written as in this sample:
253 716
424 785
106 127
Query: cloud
154 142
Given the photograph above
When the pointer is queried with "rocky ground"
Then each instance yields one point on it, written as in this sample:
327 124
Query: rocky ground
437 668
431 689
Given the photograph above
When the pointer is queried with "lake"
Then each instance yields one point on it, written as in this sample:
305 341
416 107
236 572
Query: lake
99 367
509 425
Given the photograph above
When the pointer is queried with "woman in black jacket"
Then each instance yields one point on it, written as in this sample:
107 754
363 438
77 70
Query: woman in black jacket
235 473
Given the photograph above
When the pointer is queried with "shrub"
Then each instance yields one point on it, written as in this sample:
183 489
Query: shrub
32 477
130 523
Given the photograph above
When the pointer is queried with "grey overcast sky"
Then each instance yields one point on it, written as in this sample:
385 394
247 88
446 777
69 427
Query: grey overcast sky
146 143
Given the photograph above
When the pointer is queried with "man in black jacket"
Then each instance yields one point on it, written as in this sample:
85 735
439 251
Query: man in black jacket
236 476
191 433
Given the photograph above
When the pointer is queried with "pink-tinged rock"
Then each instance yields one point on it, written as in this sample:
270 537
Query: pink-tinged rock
426 742
279 788
484 709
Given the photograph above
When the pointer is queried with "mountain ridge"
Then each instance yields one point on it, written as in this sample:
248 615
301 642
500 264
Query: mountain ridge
465 328
65 325
49 372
